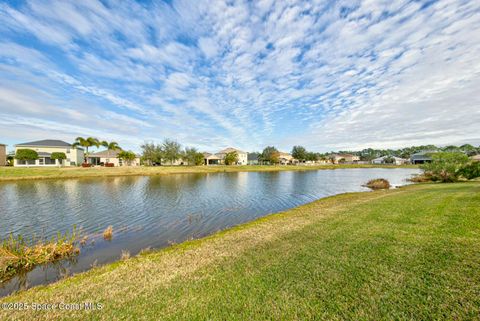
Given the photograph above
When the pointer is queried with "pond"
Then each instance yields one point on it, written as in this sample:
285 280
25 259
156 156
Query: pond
155 211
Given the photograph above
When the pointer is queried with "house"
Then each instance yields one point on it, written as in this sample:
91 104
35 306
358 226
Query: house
211 159
286 158
111 156
344 158
45 148
421 157
393 160
475 158
3 154
242 156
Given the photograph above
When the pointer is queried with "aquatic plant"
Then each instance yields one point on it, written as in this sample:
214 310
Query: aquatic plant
18 254
378 183
108 233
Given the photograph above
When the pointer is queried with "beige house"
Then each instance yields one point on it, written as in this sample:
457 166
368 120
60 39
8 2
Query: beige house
211 159
286 158
344 158
111 156
475 158
242 156
3 155
45 148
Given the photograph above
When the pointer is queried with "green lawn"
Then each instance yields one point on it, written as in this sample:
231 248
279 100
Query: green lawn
406 254
17 173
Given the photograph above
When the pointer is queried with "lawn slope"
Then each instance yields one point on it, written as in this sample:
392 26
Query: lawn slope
410 253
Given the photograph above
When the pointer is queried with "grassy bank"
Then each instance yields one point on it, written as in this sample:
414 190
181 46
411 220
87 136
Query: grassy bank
410 253
18 173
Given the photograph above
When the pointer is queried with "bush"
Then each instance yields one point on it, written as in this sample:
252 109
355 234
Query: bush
470 171
26 154
445 167
378 183
58 155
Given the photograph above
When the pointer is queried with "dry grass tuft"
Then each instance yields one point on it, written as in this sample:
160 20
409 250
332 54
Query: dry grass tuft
378 183
108 233
16 254
125 255
420 179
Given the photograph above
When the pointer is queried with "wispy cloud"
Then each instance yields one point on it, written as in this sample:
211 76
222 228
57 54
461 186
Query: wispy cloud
329 75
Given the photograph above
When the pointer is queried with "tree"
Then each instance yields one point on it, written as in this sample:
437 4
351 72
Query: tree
58 155
445 167
389 160
299 153
471 170
193 156
268 155
151 154
111 145
172 150
311 156
26 155
86 142
127 156
231 158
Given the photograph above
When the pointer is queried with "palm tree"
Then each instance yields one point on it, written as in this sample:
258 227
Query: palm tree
111 145
86 142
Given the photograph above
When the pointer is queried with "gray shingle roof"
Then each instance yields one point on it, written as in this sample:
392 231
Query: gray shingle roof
47 143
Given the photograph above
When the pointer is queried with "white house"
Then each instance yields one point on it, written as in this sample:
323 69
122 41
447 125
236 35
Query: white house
45 148
111 156
384 160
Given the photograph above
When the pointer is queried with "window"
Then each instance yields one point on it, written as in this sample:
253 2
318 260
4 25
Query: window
41 161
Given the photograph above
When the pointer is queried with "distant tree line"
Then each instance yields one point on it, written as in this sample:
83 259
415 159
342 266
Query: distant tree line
168 153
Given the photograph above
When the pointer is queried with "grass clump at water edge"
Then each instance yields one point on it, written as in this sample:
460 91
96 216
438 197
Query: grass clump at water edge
17 254
378 183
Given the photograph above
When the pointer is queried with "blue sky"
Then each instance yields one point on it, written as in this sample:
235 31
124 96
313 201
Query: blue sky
328 75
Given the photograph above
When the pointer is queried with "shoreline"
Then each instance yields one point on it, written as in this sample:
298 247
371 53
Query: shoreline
248 249
8 174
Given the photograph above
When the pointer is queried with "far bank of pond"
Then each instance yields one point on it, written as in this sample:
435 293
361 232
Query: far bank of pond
31 173
155 211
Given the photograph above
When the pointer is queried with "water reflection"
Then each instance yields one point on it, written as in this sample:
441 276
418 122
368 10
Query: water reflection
154 211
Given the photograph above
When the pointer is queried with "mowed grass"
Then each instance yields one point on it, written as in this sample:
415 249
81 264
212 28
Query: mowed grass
17 173
406 254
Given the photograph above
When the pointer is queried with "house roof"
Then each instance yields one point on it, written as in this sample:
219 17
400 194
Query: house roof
47 143
229 150
344 155
210 156
386 156
3 145
422 155
106 153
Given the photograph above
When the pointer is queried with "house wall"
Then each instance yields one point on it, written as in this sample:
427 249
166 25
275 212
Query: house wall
116 162
3 155
74 155
242 158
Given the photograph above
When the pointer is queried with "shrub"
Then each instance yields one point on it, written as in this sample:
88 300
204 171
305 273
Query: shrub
26 154
471 170
231 158
378 183
445 167
109 165
58 155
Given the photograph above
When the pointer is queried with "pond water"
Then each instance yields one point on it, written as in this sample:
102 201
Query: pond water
155 211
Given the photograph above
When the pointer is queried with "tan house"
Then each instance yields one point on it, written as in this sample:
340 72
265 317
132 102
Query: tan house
286 158
3 155
211 159
45 148
475 158
111 156
242 156
344 158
